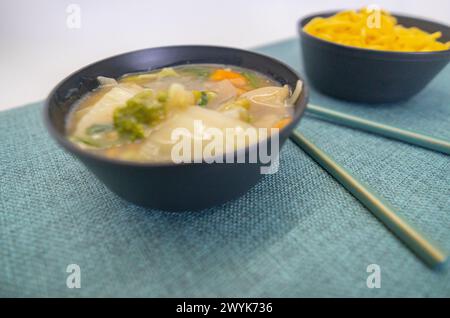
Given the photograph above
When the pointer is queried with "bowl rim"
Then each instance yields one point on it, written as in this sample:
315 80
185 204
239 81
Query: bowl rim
400 54
72 148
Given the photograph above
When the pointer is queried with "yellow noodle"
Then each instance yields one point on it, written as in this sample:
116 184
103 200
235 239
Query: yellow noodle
359 29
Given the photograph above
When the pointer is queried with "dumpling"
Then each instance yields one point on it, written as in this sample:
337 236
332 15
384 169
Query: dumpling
101 113
270 96
197 124
225 92
267 104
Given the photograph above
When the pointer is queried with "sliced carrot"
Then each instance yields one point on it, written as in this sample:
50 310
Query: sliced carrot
283 123
222 74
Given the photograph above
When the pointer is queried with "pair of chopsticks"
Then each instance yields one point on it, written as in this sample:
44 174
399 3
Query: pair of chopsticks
423 247
407 136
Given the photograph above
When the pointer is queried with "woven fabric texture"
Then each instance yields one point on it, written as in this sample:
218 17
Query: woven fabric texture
297 233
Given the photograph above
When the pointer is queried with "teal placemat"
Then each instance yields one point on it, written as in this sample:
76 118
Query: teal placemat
297 233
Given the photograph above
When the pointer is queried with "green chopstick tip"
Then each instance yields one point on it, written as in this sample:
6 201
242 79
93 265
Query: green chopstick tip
429 252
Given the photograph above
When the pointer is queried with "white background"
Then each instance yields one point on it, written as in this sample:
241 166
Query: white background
37 49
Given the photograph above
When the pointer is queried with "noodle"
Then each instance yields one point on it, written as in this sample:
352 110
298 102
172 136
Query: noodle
364 29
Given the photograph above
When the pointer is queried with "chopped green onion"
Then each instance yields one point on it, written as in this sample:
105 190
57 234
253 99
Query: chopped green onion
203 99
252 79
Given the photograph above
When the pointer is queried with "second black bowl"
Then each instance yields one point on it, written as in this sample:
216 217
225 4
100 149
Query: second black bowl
370 76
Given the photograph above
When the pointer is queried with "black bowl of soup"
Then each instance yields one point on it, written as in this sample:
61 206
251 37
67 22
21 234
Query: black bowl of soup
178 128
386 69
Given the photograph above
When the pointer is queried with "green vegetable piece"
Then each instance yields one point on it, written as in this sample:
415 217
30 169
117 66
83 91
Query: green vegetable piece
140 111
129 128
85 141
99 129
244 102
165 72
203 99
144 98
252 79
197 71
95 143
211 95
162 96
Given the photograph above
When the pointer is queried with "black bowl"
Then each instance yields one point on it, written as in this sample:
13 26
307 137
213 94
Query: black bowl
370 76
167 186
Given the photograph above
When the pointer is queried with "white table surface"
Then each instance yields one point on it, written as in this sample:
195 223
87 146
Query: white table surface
38 49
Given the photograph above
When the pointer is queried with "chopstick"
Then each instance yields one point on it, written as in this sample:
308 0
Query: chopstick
407 136
429 252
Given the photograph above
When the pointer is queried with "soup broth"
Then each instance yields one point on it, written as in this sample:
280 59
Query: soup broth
135 117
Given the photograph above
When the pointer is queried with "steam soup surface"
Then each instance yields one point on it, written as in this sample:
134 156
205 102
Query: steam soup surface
142 116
